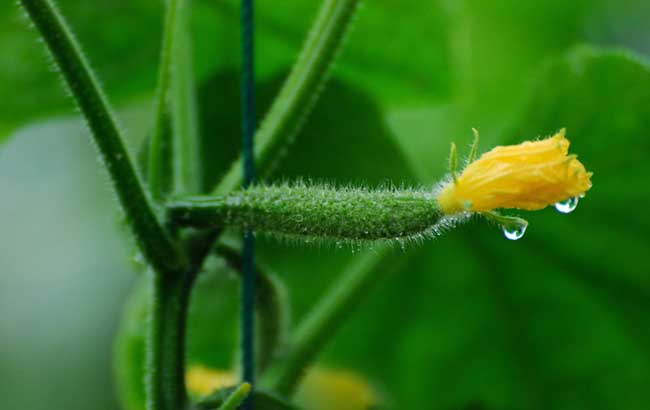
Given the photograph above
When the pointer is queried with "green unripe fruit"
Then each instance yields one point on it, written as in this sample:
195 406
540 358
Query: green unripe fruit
316 212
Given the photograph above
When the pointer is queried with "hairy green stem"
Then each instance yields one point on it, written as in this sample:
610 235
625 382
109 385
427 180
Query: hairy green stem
270 306
236 397
160 140
186 164
167 325
300 90
315 212
166 344
263 400
155 242
328 315
164 157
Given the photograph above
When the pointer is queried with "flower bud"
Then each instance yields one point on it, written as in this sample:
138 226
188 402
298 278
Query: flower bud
530 176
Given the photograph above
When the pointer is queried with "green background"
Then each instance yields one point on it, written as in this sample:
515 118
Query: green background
558 320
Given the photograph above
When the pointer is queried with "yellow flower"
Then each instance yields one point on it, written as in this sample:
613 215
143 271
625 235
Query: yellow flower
322 389
329 389
530 176
203 381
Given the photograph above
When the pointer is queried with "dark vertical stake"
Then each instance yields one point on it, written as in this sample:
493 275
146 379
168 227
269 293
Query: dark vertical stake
248 130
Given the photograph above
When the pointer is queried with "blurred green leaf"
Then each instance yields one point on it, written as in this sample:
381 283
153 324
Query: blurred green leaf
501 44
603 99
121 40
379 56
557 319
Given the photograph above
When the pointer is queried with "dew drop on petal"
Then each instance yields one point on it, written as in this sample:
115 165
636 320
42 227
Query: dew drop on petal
567 206
514 232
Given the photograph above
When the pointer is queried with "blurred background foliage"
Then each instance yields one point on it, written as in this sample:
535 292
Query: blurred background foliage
557 320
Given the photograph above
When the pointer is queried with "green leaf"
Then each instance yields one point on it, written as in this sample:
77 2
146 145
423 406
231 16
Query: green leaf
555 320
375 55
602 98
27 83
501 44
26 76
599 258
331 147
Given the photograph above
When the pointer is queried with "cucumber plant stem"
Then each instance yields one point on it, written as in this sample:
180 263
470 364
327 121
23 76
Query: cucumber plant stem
154 240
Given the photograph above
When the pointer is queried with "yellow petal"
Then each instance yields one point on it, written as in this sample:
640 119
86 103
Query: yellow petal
321 389
530 175
330 389
202 381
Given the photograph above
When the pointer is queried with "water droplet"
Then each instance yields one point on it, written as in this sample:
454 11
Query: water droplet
514 232
567 206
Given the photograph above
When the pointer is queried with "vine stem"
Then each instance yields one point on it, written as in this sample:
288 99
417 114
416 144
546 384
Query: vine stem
300 91
327 316
154 240
186 166
173 147
265 400
166 340
236 397
166 343
159 137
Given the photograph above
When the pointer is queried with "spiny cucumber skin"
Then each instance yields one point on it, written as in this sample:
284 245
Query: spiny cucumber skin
318 212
